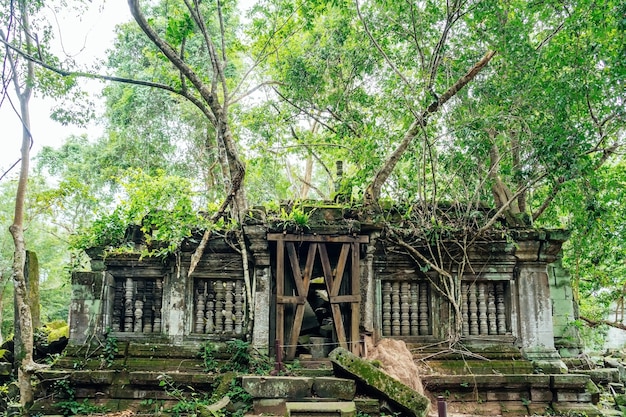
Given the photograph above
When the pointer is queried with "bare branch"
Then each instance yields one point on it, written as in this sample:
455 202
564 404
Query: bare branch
378 47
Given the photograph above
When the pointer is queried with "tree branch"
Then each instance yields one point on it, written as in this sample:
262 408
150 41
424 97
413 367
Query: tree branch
66 73
378 47
373 190
595 323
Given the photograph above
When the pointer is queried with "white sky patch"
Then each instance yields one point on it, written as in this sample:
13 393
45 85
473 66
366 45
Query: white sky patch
85 39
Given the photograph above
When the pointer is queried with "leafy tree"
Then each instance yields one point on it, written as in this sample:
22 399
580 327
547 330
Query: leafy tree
506 105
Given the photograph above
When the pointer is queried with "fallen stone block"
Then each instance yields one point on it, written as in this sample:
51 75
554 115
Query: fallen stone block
412 402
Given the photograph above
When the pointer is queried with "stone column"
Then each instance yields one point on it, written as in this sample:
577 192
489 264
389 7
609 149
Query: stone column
86 309
536 334
176 310
369 309
262 287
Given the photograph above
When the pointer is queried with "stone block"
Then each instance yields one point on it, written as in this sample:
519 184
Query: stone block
541 395
339 388
614 363
339 409
569 382
277 386
271 406
593 390
513 408
506 396
604 375
569 396
319 346
575 408
367 405
92 377
412 402
538 409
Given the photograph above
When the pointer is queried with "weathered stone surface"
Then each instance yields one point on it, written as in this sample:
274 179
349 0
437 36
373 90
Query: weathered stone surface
413 403
367 405
339 409
602 375
339 388
540 395
102 377
477 367
506 396
269 406
572 408
594 391
154 378
570 382
471 382
277 386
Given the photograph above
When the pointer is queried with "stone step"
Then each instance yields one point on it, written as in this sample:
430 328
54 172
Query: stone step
321 409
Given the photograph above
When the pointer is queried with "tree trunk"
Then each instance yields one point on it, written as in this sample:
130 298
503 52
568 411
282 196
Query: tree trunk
501 193
24 342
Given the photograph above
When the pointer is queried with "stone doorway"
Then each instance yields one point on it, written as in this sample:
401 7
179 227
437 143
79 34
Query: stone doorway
310 267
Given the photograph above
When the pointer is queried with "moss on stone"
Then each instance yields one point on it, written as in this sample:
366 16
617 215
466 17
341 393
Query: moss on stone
413 403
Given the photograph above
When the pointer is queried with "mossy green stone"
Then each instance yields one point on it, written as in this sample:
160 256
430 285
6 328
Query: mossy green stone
413 403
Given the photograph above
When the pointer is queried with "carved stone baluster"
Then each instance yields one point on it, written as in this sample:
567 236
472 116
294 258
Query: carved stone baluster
210 313
129 292
228 307
238 307
148 300
424 313
118 306
386 308
473 309
158 299
464 308
138 315
482 309
500 308
395 309
140 290
415 316
200 302
491 309
405 296
219 306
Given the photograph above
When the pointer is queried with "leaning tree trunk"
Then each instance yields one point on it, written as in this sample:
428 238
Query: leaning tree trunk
372 194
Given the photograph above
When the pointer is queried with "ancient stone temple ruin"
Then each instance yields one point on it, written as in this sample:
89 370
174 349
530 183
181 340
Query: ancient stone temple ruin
491 343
